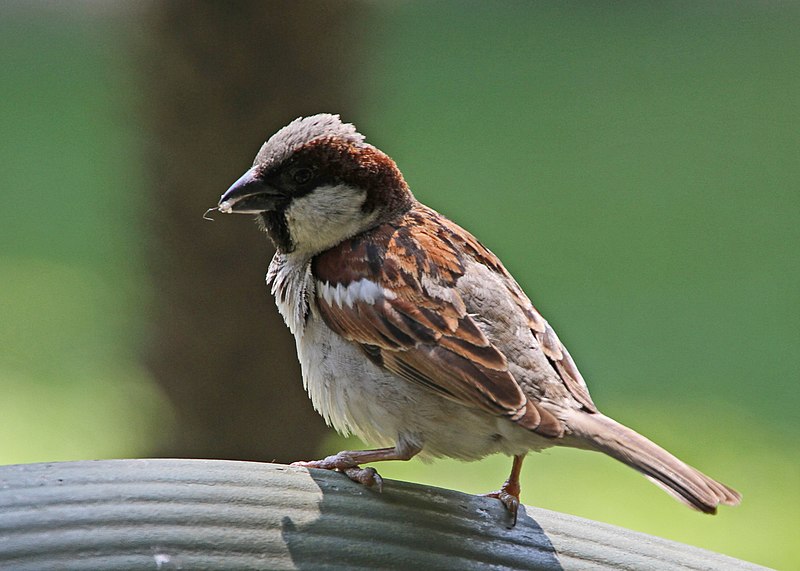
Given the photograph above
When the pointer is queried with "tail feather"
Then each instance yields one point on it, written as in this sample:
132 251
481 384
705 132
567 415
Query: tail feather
685 483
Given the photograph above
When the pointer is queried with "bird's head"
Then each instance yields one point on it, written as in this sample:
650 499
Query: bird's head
316 183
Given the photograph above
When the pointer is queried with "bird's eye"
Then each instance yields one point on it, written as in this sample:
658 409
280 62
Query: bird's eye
302 175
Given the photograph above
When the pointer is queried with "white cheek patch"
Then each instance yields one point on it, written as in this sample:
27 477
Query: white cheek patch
326 216
363 290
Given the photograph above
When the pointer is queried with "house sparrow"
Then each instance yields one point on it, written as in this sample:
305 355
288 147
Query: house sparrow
410 333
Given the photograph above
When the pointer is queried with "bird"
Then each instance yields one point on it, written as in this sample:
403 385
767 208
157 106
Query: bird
410 333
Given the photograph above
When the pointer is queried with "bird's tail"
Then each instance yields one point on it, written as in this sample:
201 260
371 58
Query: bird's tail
688 485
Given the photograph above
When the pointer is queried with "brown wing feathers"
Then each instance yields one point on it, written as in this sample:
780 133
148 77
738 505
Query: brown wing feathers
420 330
555 351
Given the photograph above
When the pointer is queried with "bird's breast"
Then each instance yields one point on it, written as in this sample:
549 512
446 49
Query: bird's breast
292 286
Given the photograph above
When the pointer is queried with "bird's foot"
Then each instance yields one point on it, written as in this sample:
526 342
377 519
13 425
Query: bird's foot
509 492
510 500
343 462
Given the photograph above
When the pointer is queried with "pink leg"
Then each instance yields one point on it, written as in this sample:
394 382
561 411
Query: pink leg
509 493
347 461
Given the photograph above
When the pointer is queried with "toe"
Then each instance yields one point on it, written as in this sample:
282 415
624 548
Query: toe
340 461
304 463
366 476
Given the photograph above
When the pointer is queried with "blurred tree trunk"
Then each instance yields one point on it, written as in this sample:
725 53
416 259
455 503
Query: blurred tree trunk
218 78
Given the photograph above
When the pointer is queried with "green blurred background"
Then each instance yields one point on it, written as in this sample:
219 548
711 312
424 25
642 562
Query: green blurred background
635 165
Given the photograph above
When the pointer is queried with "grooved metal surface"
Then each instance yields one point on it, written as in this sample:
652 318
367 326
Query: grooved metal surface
212 514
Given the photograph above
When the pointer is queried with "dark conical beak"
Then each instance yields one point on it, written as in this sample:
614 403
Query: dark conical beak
249 195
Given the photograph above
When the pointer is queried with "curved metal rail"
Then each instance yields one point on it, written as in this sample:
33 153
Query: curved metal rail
211 514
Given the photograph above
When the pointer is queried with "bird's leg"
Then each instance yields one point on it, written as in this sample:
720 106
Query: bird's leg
509 493
347 461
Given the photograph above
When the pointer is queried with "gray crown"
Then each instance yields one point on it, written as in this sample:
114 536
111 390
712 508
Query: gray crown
302 131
